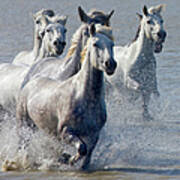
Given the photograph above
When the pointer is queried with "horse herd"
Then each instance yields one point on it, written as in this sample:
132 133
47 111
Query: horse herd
66 96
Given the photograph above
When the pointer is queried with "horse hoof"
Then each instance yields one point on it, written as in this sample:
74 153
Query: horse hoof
147 117
64 159
82 150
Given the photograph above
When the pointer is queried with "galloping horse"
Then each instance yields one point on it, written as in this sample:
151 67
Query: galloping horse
74 109
12 76
136 63
41 19
62 69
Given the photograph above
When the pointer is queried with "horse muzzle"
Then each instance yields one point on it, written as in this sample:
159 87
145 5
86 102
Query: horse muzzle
110 66
159 44
59 46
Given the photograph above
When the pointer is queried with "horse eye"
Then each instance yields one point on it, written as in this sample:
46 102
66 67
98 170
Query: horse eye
95 45
48 30
37 22
85 33
149 21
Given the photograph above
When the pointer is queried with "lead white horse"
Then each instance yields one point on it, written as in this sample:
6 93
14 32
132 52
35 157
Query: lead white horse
136 63
74 109
12 76
41 19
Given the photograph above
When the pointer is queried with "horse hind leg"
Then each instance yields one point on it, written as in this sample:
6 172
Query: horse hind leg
70 138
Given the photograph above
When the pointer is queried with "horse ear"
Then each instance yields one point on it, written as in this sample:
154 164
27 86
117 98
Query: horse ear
92 29
83 16
110 14
140 16
157 9
145 11
62 20
34 17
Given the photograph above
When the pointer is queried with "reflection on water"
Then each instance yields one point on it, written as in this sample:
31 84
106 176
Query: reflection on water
129 148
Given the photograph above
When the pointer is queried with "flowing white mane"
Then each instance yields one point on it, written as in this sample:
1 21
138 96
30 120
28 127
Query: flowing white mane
157 9
75 41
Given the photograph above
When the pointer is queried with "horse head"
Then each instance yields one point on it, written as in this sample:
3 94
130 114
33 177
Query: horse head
54 39
81 36
100 47
41 21
152 22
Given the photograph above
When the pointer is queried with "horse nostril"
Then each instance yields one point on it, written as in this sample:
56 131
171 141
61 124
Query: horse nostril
63 43
55 43
162 34
107 63
165 34
42 34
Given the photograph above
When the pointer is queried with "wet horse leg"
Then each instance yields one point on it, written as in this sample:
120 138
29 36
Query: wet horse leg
70 138
91 145
146 99
23 122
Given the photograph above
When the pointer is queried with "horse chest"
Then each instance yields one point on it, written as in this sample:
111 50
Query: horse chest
86 117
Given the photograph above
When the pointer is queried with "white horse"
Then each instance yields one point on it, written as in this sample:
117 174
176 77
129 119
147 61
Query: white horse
41 19
73 109
61 69
136 63
12 76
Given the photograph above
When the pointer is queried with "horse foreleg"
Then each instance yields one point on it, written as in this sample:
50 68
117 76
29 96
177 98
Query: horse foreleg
69 137
146 99
22 121
93 142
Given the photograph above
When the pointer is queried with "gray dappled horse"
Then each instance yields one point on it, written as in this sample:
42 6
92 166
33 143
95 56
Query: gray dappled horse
61 69
136 63
73 110
12 76
41 19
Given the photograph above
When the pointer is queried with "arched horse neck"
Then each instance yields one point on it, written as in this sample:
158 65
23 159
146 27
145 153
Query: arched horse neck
72 62
91 79
37 42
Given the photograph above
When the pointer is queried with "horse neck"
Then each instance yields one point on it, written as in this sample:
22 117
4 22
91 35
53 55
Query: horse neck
74 59
37 45
72 62
143 45
91 80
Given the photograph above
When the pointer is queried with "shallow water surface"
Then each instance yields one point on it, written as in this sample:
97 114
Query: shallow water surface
129 148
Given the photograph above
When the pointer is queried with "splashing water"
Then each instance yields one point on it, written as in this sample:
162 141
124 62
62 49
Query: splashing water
129 141
126 140
42 153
